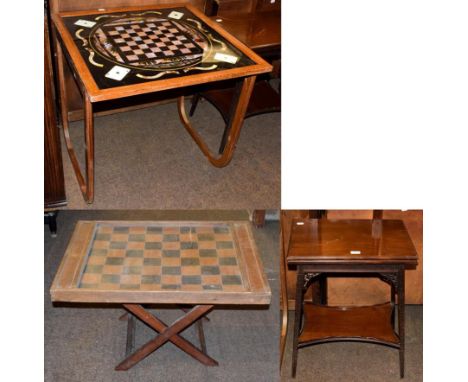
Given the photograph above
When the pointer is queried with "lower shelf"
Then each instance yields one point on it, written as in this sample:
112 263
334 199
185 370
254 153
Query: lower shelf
365 323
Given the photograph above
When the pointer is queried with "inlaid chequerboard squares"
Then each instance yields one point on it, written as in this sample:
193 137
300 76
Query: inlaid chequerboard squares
153 40
163 257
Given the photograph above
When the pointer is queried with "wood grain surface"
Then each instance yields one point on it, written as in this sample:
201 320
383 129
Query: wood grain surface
353 291
67 285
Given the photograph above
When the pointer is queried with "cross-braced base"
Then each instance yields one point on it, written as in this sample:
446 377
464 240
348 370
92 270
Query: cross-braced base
166 333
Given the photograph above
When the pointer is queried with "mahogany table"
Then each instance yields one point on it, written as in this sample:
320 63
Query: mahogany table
124 52
321 248
200 264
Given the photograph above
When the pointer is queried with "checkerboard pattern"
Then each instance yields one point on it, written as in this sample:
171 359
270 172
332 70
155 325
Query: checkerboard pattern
179 257
147 41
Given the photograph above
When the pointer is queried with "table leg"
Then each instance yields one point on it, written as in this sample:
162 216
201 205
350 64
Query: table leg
195 99
319 290
258 218
130 335
235 124
401 319
50 218
323 289
201 335
64 115
86 186
232 114
393 292
89 141
297 318
167 333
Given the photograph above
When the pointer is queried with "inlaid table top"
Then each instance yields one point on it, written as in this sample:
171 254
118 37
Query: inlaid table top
135 50
350 241
161 262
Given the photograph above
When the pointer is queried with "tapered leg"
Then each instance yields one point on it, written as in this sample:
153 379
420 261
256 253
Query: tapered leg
297 319
401 320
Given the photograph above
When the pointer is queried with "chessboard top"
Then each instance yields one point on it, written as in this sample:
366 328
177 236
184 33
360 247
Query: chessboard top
122 52
324 241
161 262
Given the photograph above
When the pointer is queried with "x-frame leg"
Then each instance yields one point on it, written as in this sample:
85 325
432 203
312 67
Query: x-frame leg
167 333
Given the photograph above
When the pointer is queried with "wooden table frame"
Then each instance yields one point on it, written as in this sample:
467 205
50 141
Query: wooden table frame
166 334
255 290
66 49
65 286
320 249
394 275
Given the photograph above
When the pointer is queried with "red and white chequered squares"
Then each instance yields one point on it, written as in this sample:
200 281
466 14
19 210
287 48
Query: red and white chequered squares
147 41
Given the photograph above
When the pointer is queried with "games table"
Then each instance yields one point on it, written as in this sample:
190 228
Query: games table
124 52
201 264
376 248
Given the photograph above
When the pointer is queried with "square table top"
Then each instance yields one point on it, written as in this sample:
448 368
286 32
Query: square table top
161 262
323 241
135 50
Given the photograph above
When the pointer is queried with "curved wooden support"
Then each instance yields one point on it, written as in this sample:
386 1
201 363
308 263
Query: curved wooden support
235 124
86 186
349 339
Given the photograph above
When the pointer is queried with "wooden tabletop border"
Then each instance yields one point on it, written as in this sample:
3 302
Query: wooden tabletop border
408 261
65 286
96 94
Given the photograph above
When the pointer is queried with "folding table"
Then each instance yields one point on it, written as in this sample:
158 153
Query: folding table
201 264
124 52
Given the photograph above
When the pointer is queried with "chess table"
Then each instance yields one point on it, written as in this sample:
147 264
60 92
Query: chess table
125 52
320 248
199 264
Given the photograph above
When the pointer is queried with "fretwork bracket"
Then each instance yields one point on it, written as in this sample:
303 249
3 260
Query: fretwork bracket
391 278
308 278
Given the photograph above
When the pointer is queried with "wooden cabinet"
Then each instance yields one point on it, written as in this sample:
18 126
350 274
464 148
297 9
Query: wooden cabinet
351 291
226 7
54 185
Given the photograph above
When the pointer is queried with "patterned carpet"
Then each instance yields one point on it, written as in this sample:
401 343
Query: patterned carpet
146 160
